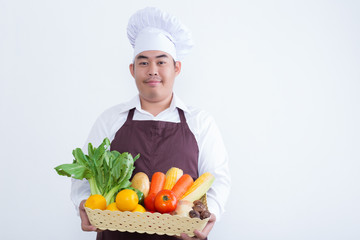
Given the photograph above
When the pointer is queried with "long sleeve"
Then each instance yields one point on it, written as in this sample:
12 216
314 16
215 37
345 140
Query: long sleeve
213 158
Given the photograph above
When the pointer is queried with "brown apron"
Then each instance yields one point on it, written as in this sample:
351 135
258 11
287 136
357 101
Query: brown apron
161 145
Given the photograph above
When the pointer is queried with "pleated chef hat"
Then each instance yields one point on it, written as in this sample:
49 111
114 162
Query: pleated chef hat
153 29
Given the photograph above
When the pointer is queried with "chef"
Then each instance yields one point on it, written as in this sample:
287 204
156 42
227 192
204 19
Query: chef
157 124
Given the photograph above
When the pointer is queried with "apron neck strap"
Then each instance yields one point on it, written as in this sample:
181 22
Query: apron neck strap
182 115
130 115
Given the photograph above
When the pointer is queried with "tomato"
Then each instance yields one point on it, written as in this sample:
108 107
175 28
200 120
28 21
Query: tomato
165 201
149 202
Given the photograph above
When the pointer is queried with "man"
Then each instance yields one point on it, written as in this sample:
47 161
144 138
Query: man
157 124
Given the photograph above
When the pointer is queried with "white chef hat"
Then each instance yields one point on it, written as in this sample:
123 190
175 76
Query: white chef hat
153 29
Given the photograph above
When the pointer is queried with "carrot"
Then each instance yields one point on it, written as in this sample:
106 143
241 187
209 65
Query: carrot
182 185
157 182
156 185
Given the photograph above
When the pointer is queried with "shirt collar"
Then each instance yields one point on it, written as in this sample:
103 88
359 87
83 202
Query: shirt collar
176 102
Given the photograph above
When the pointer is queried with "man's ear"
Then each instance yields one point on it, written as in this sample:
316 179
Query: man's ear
131 67
177 67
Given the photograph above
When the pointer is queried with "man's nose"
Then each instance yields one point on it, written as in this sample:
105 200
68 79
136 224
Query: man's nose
153 71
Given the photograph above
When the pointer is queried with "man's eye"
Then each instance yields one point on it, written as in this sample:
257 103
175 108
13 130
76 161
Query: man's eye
143 63
161 62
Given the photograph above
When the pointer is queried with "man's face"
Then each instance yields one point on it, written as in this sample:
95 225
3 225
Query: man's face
154 73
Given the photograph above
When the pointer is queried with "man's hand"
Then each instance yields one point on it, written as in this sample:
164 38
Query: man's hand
85 223
205 232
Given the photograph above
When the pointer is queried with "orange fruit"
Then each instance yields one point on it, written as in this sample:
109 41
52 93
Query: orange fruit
112 207
126 200
139 208
96 201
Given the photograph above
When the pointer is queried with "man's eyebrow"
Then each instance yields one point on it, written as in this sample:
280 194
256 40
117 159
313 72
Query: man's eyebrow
142 57
145 57
162 56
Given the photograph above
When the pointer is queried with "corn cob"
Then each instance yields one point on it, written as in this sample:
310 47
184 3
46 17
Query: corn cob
172 176
199 187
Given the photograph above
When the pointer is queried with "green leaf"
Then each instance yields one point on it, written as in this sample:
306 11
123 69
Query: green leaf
101 149
114 156
136 157
90 150
127 163
126 184
80 157
116 167
73 170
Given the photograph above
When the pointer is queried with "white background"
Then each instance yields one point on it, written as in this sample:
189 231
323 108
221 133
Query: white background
281 78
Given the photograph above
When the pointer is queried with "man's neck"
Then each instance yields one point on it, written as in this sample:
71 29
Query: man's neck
155 107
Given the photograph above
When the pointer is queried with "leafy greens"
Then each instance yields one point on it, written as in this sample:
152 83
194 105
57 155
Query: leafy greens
107 171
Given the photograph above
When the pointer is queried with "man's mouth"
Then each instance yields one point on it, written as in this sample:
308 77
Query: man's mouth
153 82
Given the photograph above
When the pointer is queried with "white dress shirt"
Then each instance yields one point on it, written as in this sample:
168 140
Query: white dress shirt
213 157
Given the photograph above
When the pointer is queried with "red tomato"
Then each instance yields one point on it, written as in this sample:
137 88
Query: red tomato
149 202
165 201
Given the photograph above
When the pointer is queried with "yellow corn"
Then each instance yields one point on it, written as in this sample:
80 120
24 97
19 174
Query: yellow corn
199 187
172 175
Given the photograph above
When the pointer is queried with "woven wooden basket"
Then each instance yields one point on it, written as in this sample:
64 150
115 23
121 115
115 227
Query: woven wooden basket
147 222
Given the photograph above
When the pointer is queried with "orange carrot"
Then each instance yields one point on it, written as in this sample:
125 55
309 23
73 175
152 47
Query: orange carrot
182 185
157 182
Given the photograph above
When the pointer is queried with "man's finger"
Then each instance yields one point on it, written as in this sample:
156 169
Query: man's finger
200 235
205 232
184 236
85 223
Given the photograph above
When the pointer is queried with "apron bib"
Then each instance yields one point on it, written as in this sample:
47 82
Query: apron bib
161 145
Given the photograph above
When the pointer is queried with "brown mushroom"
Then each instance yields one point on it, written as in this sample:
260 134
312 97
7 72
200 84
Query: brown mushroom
199 208
194 214
205 214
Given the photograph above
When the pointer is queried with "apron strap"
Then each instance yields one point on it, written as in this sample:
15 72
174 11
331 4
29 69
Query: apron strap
182 115
130 115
